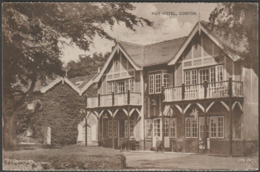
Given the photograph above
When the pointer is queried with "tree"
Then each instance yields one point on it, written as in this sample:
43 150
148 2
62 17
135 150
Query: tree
240 23
30 36
86 65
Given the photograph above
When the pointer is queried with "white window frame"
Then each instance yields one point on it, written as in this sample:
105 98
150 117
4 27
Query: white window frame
158 85
151 84
165 79
215 120
191 127
171 127
132 125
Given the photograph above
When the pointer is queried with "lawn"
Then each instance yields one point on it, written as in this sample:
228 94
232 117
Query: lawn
66 157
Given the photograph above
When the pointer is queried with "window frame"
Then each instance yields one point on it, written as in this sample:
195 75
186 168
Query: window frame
191 127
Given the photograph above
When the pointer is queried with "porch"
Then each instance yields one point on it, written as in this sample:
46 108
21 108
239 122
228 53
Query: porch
206 90
114 99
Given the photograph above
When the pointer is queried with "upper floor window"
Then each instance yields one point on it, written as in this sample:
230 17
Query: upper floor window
120 86
156 81
211 74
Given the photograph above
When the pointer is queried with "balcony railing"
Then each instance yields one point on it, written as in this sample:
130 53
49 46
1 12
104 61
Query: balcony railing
206 90
117 99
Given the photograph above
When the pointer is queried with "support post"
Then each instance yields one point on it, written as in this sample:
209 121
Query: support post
113 98
86 131
205 85
128 97
162 108
86 100
183 91
205 128
128 128
98 99
230 115
113 140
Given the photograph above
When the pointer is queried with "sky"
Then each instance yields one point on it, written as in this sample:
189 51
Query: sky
171 20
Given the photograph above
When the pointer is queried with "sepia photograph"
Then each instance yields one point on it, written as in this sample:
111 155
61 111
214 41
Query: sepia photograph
123 86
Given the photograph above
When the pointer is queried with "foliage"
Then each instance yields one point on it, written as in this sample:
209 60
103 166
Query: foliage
70 157
30 36
86 65
239 21
61 111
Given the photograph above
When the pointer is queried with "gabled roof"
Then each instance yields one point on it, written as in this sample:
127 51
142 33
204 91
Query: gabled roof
201 27
117 48
153 54
145 55
57 81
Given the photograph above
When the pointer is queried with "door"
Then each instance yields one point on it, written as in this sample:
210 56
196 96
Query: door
157 131
202 132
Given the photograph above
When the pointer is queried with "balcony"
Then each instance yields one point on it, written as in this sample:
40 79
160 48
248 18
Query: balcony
206 90
114 99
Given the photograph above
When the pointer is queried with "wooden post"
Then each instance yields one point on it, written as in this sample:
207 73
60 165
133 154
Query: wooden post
98 99
162 108
113 98
230 115
86 131
98 128
205 127
128 97
113 140
183 91
128 128
205 85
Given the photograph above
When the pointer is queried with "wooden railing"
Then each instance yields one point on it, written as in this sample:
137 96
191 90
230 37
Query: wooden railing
114 99
206 90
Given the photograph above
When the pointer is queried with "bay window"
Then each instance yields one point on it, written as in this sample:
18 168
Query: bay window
156 81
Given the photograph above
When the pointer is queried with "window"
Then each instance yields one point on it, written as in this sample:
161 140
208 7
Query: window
169 127
191 77
148 128
204 75
217 127
202 126
131 83
219 73
172 125
109 87
121 86
166 127
157 129
151 84
131 128
165 80
211 74
187 77
114 87
191 127
157 83
110 126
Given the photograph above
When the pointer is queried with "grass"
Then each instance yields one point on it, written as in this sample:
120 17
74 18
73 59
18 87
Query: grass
70 157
